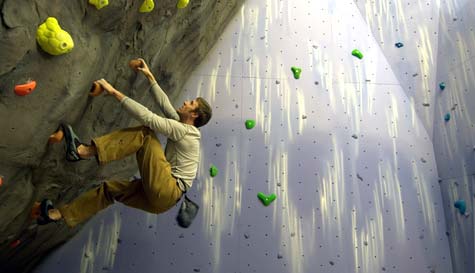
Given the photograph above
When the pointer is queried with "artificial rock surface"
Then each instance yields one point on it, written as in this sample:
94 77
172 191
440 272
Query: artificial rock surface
172 41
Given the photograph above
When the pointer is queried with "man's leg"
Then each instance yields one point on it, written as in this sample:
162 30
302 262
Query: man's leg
156 192
99 198
116 145
159 185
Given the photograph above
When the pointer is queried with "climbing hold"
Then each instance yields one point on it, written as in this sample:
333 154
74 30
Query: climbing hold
423 160
56 137
279 256
25 89
304 117
442 85
1 180
357 54
399 45
99 4
15 243
135 64
447 117
35 210
426 104
96 89
354 136
296 71
266 199
182 4
213 171
246 236
53 39
250 123
147 6
461 206
359 177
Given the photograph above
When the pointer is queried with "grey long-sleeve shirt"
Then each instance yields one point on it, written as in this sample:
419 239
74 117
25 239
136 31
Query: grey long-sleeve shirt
183 140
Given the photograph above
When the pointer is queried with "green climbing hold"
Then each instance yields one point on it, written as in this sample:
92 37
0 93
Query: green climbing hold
250 123
447 117
296 71
266 199
442 85
357 54
213 171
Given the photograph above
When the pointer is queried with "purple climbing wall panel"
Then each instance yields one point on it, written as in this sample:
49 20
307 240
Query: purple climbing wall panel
454 140
342 147
414 23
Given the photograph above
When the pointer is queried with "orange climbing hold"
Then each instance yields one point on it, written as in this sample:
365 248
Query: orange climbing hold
25 89
96 89
135 64
1 180
35 210
56 137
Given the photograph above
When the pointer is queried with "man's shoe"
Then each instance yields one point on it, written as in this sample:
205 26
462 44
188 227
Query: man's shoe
72 143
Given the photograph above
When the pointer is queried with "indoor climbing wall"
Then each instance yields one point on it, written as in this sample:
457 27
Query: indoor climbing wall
454 127
332 133
407 32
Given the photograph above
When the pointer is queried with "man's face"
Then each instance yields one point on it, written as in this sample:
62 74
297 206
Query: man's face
188 107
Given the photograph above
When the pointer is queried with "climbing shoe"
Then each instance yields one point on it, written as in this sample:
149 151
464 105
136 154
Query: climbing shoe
72 143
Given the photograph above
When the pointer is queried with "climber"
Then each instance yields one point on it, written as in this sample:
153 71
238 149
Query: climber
165 176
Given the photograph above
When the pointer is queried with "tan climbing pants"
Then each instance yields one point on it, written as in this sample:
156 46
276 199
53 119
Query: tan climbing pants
156 192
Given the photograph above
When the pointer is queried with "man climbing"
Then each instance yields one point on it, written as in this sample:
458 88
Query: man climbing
164 175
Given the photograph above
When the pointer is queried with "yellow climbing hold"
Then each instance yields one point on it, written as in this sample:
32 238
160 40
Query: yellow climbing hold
182 4
53 39
147 6
99 3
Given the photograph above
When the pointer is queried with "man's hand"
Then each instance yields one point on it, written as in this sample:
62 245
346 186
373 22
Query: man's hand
110 89
106 86
145 70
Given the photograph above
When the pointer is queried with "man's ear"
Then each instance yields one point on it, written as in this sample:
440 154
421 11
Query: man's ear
194 115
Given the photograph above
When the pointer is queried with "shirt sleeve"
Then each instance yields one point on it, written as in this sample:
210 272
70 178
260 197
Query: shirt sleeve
164 102
171 128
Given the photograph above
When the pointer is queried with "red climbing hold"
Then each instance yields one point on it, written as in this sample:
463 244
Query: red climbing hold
1 180
25 89
15 243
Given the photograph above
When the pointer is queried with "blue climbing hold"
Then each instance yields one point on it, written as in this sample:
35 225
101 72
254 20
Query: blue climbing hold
442 85
447 117
461 206
399 45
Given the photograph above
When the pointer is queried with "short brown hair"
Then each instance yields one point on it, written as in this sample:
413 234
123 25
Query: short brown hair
204 112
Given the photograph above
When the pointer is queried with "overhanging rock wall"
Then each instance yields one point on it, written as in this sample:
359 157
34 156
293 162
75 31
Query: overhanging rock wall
173 41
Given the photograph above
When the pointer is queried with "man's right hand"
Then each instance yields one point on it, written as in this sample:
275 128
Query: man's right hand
146 70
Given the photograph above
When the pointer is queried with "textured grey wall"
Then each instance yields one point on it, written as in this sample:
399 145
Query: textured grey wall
173 41
344 204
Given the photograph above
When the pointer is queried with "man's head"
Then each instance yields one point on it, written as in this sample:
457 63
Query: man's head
196 112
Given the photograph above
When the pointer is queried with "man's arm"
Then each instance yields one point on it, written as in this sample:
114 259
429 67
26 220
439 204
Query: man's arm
160 97
172 129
